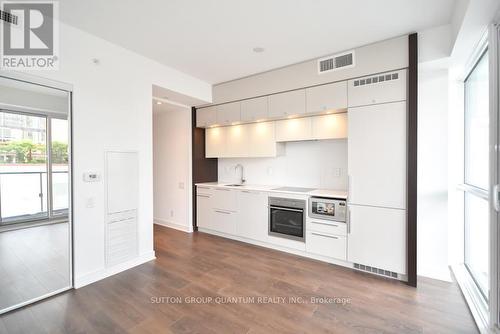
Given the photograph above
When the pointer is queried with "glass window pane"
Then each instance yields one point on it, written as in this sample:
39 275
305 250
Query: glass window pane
60 188
477 240
476 125
23 167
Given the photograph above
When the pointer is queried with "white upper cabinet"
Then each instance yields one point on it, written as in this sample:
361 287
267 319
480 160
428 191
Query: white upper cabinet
294 129
206 117
333 126
238 140
326 97
215 142
287 104
228 113
254 109
377 237
380 88
263 140
377 155
244 140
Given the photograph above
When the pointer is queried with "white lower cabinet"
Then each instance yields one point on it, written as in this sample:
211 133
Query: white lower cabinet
223 221
252 222
377 237
204 203
326 244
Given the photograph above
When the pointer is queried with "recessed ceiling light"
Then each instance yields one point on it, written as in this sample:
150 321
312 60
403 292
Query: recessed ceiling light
258 49
158 102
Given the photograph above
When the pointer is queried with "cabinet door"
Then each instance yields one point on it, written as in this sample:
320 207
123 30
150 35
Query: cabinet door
332 126
262 140
228 113
203 209
294 129
377 237
326 97
205 117
237 141
326 244
253 222
215 142
254 109
225 199
381 88
287 104
376 153
224 221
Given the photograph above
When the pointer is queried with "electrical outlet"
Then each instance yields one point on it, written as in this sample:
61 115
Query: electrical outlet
270 171
171 213
337 172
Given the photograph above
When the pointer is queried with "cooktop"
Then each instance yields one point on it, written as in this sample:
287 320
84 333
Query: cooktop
295 189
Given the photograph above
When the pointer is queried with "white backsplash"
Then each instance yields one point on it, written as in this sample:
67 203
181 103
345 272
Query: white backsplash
315 164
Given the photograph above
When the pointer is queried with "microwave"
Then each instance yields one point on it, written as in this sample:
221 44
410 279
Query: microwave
328 208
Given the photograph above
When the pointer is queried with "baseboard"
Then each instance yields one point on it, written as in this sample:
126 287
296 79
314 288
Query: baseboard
107 272
167 223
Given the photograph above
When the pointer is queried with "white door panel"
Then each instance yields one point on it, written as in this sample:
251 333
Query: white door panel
377 155
377 237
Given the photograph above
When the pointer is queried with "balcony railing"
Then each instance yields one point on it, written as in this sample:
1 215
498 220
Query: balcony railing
24 196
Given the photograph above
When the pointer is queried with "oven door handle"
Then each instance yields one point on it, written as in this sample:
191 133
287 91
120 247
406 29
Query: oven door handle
285 209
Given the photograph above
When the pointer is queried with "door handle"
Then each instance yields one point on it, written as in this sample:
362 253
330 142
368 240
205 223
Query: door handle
496 204
348 220
324 235
224 212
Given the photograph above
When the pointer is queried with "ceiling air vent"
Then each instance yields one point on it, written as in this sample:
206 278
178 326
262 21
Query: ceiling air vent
8 17
333 63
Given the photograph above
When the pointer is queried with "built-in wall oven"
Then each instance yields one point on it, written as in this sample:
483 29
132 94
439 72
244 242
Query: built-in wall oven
287 218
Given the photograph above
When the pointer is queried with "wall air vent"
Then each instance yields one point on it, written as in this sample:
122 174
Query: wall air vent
376 79
333 63
377 271
8 17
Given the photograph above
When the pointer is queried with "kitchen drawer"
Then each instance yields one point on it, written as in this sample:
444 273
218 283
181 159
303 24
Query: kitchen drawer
202 190
336 228
223 221
326 244
225 199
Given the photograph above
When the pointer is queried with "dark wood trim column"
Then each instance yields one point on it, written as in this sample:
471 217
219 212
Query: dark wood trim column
204 170
411 227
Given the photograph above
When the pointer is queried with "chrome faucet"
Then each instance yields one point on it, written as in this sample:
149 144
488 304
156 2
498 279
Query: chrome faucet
242 180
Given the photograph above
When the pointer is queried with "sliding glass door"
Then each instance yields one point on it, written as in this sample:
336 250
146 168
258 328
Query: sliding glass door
33 167
35 210
476 180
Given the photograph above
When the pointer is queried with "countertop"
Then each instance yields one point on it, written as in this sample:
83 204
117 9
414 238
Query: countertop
332 193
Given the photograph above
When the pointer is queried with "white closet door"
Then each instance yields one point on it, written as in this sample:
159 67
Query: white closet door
122 181
377 155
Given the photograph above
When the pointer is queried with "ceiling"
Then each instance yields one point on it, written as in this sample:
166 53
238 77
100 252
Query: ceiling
213 40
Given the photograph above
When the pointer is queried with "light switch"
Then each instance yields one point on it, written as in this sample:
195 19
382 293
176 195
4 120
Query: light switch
337 172
91 177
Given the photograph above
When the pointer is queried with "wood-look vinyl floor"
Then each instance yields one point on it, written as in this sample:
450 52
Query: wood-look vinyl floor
201 265
33 262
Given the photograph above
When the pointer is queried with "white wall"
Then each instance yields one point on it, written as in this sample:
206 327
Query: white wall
172 167
432 215
111 111
305 164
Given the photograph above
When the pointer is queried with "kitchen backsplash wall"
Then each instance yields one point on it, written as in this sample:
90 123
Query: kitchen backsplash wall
318 164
